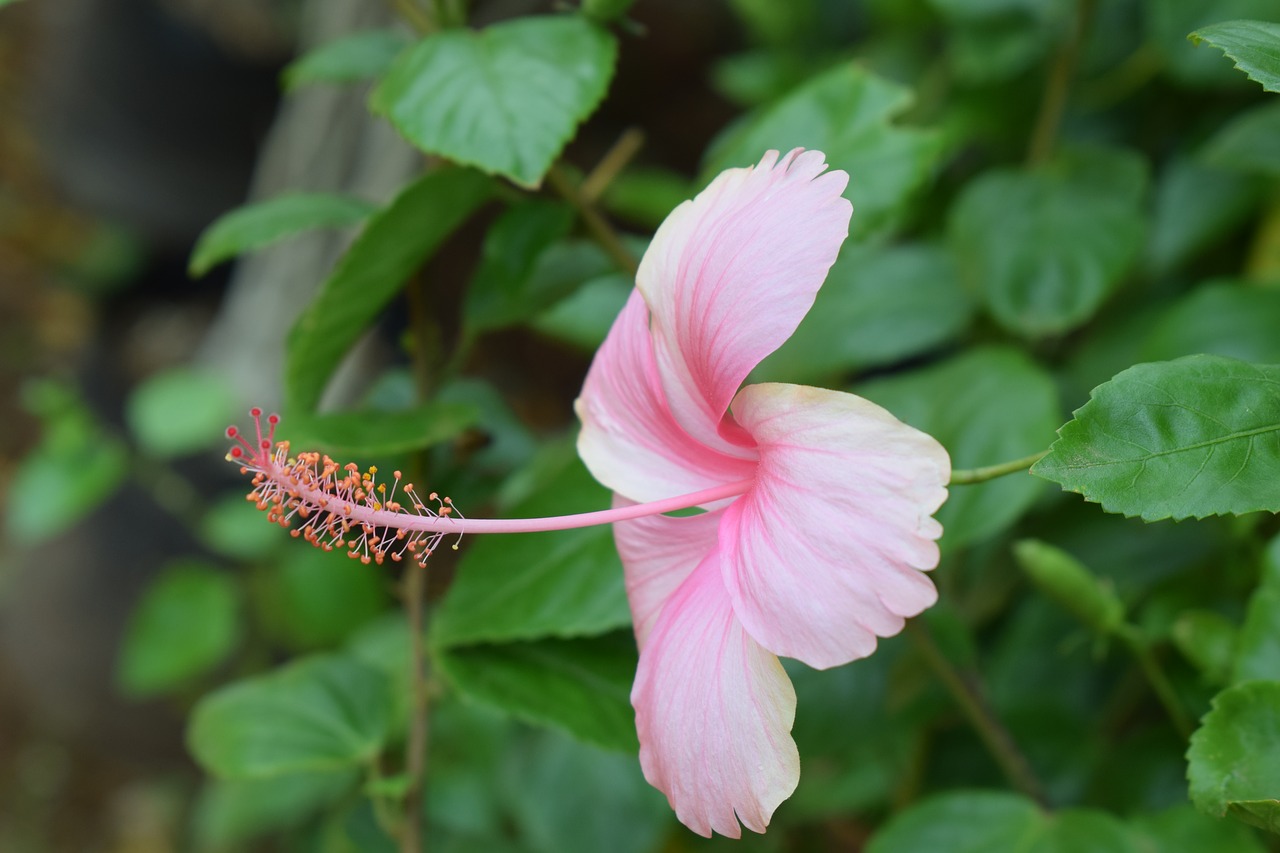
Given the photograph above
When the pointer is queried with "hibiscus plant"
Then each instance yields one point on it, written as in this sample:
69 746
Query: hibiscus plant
898 472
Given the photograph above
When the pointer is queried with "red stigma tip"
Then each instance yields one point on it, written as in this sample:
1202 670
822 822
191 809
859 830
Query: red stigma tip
273 420
236 452
232 432
255 412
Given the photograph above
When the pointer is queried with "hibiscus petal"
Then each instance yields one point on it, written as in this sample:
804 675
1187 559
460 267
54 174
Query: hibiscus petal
730 274
658 554
714 713
825 553
629 440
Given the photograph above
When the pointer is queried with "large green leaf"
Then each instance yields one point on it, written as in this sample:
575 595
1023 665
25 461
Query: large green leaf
505 99
847 113
580 685
1257 646
1248 143
878 305
265 222
1045 248
1195 206
1233 764
396 241
378 432
316 714
1182 829
982 821
187 622
311 599
563 584
987 406
1175 439
358 56
180 411
1220 318
1254 46
231 812
571 797
506 289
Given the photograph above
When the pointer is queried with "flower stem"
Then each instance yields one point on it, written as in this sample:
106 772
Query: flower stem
967 692
1159 682
970 476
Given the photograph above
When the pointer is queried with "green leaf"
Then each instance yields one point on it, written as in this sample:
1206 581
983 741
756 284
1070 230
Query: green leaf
1257 649
1233 764
1219 318
1182 829
987 406
76 466
646 196
564 583
317 714
377 433
1254 46
846 113
1175 439
314 599
234 527
1208 640
980 821
1195 206
1248 143
359 56
1066 580
180 411
570 797
394 243
262 223
505 99
505 289
585 317
1169 22
581 685
187 622
878 306
230 813
1044 248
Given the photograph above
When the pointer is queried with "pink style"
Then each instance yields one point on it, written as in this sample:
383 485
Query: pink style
825 549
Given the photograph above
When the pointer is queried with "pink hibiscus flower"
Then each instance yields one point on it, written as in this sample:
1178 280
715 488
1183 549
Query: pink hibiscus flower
824 550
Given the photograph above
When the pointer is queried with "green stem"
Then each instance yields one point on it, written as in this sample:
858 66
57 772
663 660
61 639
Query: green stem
1132 638
969 476
597 226
967 692
1057 86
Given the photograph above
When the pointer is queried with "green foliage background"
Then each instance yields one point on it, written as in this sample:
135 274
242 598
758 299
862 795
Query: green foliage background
1046 193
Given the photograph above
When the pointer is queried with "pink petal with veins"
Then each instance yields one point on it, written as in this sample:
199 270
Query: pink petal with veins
730 274
658 553
714 712
629 440
826 552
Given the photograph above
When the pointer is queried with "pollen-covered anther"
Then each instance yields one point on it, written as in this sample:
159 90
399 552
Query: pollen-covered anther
331 504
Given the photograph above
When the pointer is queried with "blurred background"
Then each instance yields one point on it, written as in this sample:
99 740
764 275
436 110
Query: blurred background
128 126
